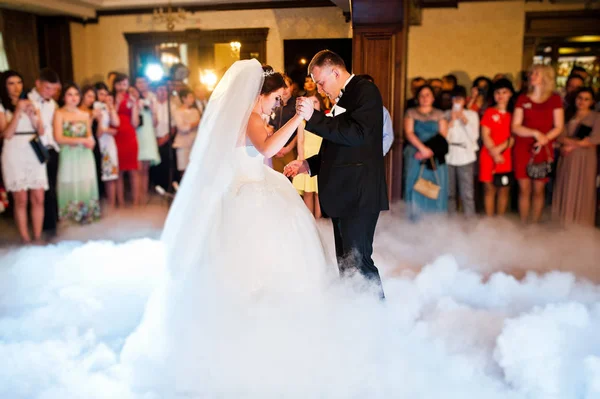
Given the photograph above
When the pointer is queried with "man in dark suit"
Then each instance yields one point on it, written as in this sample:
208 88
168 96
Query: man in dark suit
352 187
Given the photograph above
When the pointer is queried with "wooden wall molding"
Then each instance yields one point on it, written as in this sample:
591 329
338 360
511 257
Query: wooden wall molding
562 23
188 35
256 5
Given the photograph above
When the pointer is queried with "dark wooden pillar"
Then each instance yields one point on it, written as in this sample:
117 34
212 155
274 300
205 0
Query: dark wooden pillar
54 36
379 49
19 32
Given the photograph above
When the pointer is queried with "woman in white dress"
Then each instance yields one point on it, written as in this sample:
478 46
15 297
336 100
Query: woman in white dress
108 122
24 175
225 246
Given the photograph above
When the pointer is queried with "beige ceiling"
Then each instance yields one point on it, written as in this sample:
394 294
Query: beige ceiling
88 8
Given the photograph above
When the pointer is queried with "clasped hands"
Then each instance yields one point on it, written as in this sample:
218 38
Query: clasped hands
304 108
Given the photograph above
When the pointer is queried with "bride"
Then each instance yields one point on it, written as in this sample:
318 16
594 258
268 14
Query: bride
232 214
238 240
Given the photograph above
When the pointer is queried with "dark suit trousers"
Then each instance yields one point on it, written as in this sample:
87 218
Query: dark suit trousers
354 247
160 174
50 200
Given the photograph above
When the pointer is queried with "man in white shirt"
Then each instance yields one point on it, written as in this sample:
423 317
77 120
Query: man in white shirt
46 86
463 134
160 174
388 128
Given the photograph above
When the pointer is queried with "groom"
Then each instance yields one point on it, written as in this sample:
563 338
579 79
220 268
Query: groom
352 187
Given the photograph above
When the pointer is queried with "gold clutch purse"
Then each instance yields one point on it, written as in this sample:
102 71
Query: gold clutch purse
425 187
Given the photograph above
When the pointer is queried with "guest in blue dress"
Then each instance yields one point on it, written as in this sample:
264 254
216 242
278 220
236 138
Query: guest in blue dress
422 124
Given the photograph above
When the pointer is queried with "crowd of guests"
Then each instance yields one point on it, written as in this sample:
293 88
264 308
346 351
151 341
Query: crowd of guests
501 139
64 148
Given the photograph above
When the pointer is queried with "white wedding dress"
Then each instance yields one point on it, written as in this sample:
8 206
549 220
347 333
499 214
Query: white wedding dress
240 243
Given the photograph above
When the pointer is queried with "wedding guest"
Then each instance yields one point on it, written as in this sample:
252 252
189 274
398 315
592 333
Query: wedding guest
463 135
388 128
161 173
88 98
187 119
56 95
282 114
415 83
574 198
580 71
436 86
310 88
480 98
498 76
110 78
42 96
108 121
423 126
126 139
574 83
537 121
77 185
23 173
308 146
449 82
201 93
495 159
147 147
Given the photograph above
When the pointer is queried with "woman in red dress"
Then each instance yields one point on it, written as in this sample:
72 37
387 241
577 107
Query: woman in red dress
537 121
126 139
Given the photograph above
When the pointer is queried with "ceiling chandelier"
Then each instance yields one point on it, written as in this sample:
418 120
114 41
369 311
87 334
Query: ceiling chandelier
169 16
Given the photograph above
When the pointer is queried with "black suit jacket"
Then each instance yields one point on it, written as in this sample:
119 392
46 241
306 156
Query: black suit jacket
350 162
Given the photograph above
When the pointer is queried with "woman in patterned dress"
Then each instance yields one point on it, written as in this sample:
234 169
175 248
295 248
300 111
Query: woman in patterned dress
77 185
108 122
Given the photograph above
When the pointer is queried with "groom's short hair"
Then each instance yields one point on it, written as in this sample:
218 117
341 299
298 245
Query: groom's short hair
326 58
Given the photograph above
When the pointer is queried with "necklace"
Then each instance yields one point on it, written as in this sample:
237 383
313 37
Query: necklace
424 114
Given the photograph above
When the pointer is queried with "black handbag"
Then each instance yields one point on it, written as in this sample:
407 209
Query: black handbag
40 149
540 170
503 179
582 132
439 145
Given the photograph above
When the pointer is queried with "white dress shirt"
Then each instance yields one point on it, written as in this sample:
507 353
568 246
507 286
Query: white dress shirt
388 131
47 109
334 109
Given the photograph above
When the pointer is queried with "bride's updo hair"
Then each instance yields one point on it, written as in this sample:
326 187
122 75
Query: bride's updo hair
273 80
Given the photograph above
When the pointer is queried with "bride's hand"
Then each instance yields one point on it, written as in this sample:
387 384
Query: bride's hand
295 168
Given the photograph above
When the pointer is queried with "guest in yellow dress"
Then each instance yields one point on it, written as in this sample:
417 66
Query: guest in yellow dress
308 145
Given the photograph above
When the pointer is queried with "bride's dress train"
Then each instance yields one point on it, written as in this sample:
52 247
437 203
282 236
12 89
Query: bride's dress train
264 271
245 265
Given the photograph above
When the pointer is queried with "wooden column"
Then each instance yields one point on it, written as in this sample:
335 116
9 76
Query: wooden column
54 37
19 32
379 49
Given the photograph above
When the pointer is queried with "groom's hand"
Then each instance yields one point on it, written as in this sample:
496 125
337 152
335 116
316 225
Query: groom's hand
295 168
304 107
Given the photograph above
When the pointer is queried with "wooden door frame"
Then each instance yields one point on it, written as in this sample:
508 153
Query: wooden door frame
257 36
556 24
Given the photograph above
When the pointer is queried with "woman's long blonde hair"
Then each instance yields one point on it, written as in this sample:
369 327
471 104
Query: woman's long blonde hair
548 80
